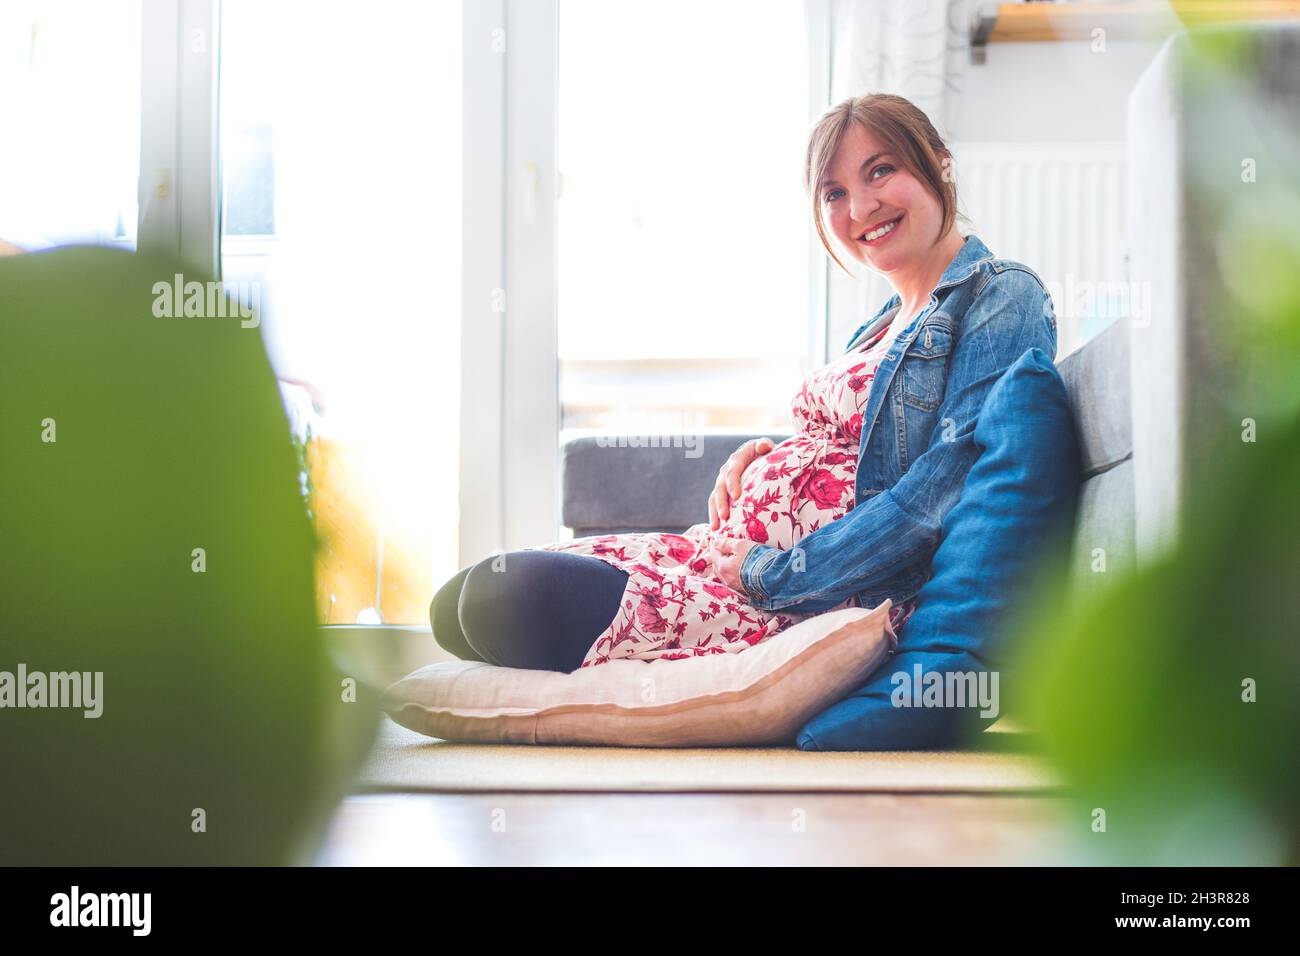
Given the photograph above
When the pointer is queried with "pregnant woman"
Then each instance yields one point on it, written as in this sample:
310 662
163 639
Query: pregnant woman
845 513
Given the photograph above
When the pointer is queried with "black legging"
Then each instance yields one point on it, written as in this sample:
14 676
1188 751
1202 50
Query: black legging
537 609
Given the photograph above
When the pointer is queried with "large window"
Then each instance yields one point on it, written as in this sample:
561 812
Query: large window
683 267
663 284
70 116
340 128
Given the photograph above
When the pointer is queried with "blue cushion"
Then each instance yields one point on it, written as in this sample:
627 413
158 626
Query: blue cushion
1016 506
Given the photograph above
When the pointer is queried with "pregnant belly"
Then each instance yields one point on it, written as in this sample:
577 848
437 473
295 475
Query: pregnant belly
801 485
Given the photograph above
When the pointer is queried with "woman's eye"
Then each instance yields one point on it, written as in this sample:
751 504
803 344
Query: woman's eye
879 168
830 196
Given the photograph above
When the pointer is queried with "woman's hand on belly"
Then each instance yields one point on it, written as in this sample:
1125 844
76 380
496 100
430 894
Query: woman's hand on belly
727 489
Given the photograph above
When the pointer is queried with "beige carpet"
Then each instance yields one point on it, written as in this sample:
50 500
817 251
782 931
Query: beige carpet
406 761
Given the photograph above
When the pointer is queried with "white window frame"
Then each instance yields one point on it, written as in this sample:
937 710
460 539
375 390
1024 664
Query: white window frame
509 459
483 282
179 181
531 395
817 18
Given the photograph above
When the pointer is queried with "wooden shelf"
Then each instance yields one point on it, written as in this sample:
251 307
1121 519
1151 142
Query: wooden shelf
1134 20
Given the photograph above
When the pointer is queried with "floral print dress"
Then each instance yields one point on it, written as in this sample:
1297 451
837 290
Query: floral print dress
674 605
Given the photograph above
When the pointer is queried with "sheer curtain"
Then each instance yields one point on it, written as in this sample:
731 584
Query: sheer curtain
913 48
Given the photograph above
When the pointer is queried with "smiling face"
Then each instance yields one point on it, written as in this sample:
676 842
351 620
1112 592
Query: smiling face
866 188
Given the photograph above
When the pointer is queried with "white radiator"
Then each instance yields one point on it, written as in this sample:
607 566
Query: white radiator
1060 208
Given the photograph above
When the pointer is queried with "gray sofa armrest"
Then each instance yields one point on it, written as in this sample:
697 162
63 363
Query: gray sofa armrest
617 483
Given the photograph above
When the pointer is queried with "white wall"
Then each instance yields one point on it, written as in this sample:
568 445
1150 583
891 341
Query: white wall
1049 92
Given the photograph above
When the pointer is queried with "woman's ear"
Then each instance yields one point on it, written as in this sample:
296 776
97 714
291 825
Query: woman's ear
948 166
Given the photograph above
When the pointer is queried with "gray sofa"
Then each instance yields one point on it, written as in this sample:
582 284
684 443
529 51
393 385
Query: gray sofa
1142 390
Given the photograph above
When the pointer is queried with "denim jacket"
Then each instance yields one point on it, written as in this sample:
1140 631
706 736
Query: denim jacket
917 438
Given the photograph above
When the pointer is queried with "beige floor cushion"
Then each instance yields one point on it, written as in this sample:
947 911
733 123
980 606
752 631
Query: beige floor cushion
761 695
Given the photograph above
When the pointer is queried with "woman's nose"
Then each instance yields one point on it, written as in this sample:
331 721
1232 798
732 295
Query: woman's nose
862 208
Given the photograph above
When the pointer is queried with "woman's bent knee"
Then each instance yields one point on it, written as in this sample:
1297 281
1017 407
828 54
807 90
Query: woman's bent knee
539 609
482 610
444 618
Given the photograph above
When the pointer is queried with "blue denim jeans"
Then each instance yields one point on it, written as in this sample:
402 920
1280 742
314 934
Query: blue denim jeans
535 609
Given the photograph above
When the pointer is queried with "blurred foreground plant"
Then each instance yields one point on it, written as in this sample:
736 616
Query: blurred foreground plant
1170 700
153 530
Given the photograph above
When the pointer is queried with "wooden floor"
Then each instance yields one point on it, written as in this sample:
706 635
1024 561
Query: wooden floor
796 829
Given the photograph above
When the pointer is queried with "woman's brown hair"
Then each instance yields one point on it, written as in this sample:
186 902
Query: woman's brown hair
904 130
